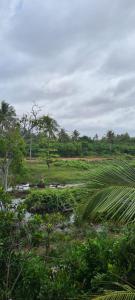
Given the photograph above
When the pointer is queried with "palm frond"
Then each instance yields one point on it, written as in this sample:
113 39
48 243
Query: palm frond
116 173
113 194
119 295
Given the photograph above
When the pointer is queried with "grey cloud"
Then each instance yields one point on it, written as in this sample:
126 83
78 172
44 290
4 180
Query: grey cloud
121 59
124 86
74 58
72 28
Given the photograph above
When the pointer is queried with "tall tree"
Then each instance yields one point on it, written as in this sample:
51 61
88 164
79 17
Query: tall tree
48 126
48 129
75 135
110 137
11 143
95 138
28 124
63 136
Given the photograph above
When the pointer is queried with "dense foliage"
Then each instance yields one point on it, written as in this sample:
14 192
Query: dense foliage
122 144
50 200
74 267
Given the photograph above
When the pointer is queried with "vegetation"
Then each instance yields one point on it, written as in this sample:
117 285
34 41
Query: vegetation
38 261
113 194
62 172
11 143
65 242
47 201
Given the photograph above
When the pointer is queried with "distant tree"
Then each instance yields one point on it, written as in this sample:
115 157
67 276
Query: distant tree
110 137
123 137
85 138
75 135
95 138
48 129
48 126
28 124
63 137
7 115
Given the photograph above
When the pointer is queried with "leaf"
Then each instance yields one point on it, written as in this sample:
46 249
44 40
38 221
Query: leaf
120 295
113 195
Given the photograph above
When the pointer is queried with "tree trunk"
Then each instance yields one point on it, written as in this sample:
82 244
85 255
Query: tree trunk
30 152
6 179
110 147
5 173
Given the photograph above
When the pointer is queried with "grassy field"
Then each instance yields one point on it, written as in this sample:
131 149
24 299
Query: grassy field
69 171
62 171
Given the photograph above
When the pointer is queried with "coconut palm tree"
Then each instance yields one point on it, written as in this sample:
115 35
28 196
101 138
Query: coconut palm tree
48 126
7 115
113 193
6 110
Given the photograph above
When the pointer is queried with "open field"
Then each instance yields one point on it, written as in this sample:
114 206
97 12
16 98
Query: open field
62 171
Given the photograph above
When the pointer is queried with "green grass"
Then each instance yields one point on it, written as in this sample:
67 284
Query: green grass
60 172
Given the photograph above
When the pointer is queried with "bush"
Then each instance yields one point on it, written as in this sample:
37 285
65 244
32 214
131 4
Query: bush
85 262
123 256
50 200
74 164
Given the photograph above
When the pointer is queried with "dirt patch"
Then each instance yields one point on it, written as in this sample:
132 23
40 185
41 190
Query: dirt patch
85 158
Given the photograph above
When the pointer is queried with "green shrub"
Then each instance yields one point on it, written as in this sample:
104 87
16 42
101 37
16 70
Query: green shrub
50 200
86 261
123 256
76 164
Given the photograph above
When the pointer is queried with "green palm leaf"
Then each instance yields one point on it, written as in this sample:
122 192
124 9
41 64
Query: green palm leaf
120 295
113 196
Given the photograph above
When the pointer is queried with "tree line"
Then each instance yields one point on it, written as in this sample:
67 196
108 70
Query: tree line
39 135
43 135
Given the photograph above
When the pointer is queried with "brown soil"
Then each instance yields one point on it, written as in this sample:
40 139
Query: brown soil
85 158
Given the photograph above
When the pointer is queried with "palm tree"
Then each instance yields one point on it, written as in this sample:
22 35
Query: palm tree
48 125
110 137
7 115
6 110
63 136
113 193
48 128
75 135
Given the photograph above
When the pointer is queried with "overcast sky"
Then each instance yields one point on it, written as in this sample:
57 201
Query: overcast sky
74 58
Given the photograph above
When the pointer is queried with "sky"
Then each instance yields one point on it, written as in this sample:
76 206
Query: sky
74 58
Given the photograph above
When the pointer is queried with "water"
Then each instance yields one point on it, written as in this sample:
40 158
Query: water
15 203
19 188
27 186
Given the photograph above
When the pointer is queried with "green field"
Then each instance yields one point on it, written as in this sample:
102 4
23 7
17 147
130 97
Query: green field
70 171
